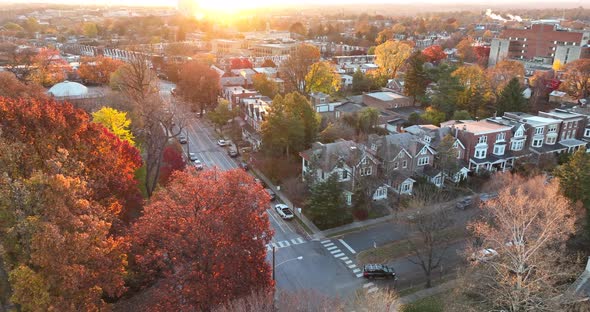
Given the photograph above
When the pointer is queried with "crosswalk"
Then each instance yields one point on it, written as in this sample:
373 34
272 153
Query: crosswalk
337 253
285 243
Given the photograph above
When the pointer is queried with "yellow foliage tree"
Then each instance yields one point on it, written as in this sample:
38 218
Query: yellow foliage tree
391 55
322 78
116 122
557 65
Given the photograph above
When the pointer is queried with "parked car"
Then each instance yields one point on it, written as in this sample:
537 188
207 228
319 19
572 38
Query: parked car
198 164
222 142
182 139
378 271
284 211
244 165
192 156
257 180
272 194
232 152
483 255
465 203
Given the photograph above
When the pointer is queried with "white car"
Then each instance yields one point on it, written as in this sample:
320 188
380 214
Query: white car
484 255
222 142
284 211
198 164
192 156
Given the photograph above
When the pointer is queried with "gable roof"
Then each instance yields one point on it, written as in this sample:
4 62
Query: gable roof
328 156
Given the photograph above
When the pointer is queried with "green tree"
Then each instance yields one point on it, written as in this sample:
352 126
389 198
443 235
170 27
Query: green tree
415 79
116 121
291 125
264 85
368 119
574 180
461 115
326 207
221 114
477 89
447 90
322 78
390 56
511 99
433 116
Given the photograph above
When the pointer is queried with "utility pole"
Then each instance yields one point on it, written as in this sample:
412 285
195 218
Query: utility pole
273 262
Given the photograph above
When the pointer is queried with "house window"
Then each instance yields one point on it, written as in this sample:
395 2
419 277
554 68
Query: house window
364 161
381 192
517 145
405 187
500 136
405 164
459 153
537 142
519 133
499 149
365 171
374 146
552 128
395 165
344 174
575 124
539 130
423 151
348 198
587 132
437 180
427 139
423 161
551 140
480 153
482 139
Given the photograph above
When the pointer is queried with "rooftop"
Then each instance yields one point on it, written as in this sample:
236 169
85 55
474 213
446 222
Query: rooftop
385 96
481 127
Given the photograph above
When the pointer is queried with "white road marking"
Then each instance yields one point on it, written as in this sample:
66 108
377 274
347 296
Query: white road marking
297 241
326 241
344 259
335 251
339 255
332 248
329 244
372 290
356 270
347 246
359 275
352 266
367 285
348 261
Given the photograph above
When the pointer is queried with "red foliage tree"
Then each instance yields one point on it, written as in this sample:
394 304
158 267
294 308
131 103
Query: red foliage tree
482 54
239 63
98 70
172 161
434 54
201 241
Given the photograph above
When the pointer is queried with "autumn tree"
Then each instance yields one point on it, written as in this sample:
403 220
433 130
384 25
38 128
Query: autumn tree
298 28
433 116
240 63
90 29
384 35
11 87
268 63
577 78
476 92
502 73
187 236
379 301
574 181
264 85
291 125
398 28
461 115
391 55
434 54
199 85
322 78
511 98
172 161
326 207
221 114
64 184
527 225
465 50
115 121
98 70
446 156
295 68
415 79
48 68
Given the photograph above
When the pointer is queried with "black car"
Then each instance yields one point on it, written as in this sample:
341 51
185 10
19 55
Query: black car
244 165
378 271
465 203
272 194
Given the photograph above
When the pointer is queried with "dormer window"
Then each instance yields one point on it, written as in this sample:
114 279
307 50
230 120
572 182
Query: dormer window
427 139
539 130
519 133
552 128
482 139
500 136
374 146
364 161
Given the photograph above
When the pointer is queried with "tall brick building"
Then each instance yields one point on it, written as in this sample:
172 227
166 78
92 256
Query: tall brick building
540 41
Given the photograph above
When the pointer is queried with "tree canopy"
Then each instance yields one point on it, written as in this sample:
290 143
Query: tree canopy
322 78
115 121
391 55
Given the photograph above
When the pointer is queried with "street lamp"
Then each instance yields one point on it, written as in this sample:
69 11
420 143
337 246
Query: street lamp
274 267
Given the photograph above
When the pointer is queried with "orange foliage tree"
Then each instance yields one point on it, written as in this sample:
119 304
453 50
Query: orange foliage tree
98 70
201 241
11 87
63 183
434 54
49 68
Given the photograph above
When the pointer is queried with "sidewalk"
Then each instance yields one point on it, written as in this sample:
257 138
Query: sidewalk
424 293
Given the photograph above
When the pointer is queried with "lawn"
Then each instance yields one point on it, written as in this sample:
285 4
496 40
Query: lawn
428 304
402 248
